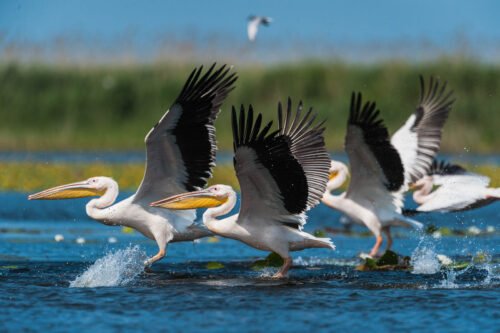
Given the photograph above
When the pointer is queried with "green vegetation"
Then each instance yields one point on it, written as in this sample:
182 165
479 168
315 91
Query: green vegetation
272 260
389 261
29 177
214 265
44 107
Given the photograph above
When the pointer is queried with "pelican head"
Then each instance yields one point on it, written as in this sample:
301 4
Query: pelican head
338 168
95 186
212 196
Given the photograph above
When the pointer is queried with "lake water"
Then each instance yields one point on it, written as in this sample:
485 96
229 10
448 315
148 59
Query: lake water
49 285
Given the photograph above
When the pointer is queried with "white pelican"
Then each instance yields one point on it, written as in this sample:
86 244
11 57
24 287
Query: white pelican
282 175
381 167
458 189
253 25
180 153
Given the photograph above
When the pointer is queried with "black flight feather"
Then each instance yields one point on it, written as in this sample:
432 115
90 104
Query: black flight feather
376 137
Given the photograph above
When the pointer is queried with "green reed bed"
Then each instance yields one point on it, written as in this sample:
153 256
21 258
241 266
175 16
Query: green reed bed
47 107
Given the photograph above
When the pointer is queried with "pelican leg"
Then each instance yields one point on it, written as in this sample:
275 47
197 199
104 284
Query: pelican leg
376 247
160 255
284 269
387 232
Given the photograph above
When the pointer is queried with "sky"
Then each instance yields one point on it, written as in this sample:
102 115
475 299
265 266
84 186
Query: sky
313 27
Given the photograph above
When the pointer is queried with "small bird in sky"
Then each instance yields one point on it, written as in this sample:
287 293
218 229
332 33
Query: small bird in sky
253 25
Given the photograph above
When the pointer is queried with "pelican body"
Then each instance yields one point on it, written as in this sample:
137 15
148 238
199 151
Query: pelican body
457 189
180 154
383 167
281 174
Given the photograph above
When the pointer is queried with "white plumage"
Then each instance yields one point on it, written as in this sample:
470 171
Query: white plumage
382 168
282 174
253 25
180 155
457 189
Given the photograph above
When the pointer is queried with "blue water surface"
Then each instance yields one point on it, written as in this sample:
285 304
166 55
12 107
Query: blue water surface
324 291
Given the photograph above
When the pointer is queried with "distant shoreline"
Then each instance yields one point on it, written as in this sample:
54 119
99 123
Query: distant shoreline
34 176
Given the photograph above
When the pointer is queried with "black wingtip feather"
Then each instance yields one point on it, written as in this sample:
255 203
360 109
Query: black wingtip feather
201 99
377 138
295 155
443 168
308 148
434 106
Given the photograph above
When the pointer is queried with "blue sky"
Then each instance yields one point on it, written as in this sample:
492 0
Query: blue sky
142 24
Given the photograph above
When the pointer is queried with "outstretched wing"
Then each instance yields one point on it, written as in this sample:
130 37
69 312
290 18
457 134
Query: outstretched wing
444 173
419 139
180 148
281 174
457 192
377 172
458 189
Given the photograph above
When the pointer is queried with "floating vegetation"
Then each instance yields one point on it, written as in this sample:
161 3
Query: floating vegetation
19 231
13 269
424 260
213 239
320 233
389 261
272 260
214 265
470 231
481 258
112 240
127 230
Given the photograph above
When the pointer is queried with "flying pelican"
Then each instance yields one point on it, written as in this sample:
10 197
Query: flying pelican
180 154
381 167
282 175
253 25
458 189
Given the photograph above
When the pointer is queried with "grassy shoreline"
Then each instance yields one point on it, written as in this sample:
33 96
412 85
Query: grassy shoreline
34 176
46 107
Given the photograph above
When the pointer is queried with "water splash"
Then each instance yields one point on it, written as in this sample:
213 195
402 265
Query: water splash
268 273
115 269
449 280
424 258
481 272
